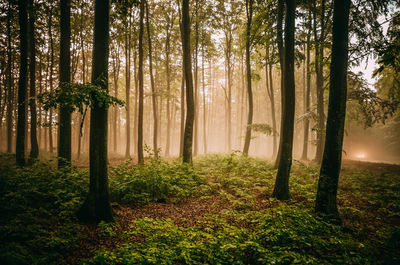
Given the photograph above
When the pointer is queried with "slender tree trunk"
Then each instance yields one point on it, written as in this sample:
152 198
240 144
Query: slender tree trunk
281 51
40 119
270 88
249 13
51 80
307 101
204 103
97 205
182 129
167 66
64 135
128 87
326 201
22 82
188 135
281 189
196 82
229 98
10 94
153 88
135 111
32 82
319 71
82 118
141 96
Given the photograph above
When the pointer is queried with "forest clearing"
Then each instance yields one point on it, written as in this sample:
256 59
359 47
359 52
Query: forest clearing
199 132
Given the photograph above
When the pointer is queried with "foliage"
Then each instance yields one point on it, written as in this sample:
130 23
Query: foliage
262 128
77 96
38 224
155 181
37 205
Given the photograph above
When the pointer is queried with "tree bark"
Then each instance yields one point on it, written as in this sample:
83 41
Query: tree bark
153 88
270 89
188 135
249 13
22 82
281 51
281 189
97 206
64 135
128 86
50 125
141 96
326 201
10 94
307 101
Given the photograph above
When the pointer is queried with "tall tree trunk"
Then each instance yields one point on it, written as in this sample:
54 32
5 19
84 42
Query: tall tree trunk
204 102
281 51
32 82
249 13
281 189
319 71
141 96
50 128
82 118
167 66
196 82
228 37
22 82
128 86
153 88
307 101
326 201
97 206
182 124
64 128
10 94
116 62
188 135
270 89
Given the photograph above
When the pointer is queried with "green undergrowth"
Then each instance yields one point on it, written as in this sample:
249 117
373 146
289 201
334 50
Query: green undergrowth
284 235
38 223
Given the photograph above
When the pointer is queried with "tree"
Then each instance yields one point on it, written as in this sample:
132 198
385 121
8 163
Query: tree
23 75
326 201
141 93
249 15
97 206
281 189
188 134
10 94
32 80
64 135
153 89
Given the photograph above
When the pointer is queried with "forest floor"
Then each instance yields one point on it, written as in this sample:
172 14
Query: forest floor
218 212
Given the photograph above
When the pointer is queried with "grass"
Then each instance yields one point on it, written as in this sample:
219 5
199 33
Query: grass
218 212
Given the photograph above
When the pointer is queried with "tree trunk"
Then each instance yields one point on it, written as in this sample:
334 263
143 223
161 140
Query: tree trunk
22 82
281 189
204 103
307 101
281 51
153 88
64 128
326 201
167 66
50 128
140 73
97 206
10 94
319 71
128 87
249 13
270 88
188 135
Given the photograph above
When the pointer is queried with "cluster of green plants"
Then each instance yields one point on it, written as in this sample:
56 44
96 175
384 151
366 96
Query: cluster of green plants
37 206
156 181
283 235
